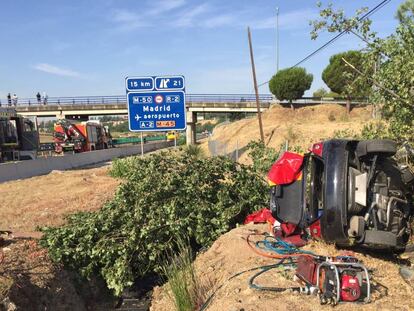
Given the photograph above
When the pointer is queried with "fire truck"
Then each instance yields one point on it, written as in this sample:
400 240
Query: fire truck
80 137
19 138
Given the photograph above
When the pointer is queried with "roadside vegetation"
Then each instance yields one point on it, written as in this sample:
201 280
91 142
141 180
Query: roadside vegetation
163 199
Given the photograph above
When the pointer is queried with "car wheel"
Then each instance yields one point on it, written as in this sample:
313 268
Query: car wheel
376 146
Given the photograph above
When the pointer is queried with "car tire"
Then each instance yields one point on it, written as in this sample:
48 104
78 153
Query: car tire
376 146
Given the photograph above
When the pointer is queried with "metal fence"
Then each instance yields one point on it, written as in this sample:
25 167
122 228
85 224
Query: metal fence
231 150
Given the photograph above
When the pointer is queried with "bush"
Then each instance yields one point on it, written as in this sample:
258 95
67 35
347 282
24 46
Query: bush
263 157
345 134
208 126
375 130
163 198
194 151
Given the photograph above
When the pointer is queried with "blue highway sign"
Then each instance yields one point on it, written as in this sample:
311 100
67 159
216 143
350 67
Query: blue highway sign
170 83
156 103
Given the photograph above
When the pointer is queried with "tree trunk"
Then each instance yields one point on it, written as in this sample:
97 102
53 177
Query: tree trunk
291 105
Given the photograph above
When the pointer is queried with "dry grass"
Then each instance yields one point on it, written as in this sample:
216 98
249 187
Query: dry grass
301 127
45 200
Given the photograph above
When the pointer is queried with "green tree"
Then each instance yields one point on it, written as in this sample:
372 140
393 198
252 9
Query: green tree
342 79
394 81
121 127
405 12
291 83
234 116
391 57
336 21
321 92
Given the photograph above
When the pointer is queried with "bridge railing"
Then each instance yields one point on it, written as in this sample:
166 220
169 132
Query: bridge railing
78 100
190 98
121 99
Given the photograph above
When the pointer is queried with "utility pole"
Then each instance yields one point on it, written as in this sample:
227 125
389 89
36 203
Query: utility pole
259 114
277 39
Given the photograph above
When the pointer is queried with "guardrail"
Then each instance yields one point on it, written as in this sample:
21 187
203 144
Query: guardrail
190 98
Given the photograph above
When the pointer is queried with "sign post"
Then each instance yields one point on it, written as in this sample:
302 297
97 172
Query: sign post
142 145
156 103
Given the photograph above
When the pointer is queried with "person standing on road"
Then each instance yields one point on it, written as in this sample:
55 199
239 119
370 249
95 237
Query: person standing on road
39 98
14 99
9 99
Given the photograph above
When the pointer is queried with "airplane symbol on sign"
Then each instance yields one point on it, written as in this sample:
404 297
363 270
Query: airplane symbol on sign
137 117
164 83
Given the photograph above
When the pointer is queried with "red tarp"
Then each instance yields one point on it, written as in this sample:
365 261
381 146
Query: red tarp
287 232
286 170
264 215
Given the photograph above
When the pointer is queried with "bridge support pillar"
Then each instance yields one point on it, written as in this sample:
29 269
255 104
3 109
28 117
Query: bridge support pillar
191 127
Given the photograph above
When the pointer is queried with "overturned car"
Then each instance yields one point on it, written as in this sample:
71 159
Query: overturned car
347 191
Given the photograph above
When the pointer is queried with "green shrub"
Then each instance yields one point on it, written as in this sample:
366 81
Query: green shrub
194 151
375 130
163 198
297 149
345 133
208 126
263 157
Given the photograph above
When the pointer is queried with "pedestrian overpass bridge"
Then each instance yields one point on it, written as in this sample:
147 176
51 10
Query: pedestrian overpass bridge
116 105
82 108
86 106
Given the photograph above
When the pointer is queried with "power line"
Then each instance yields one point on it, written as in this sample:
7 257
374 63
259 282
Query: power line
366 15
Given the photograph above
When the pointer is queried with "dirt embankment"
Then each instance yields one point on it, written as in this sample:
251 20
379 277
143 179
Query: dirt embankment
45 200
28 278
230 254
301 127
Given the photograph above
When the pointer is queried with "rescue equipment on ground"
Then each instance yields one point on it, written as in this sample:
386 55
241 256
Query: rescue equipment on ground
333 279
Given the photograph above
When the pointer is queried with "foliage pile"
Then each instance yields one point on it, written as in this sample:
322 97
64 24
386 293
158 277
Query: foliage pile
262 156
164 198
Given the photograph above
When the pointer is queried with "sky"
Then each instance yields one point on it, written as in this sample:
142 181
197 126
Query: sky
88 47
